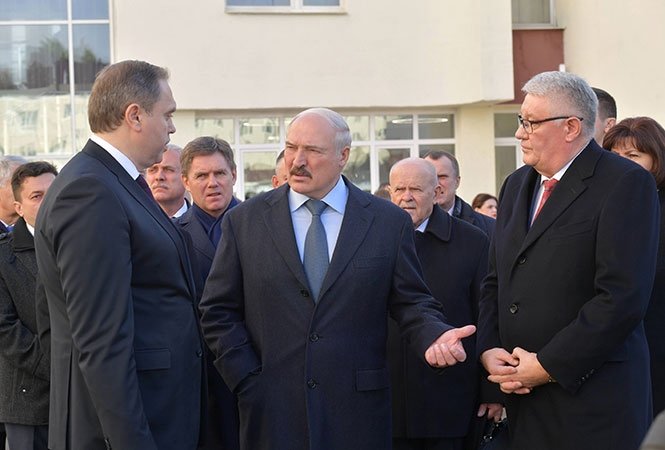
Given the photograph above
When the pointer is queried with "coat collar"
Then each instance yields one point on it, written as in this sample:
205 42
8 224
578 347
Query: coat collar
440 224
200 239
23 245
571 186
22 238
355 225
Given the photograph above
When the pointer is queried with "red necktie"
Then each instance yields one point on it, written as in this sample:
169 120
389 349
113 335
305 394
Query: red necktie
548 187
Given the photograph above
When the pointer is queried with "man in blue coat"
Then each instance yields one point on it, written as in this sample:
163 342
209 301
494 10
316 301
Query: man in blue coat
296 304
127 357
434 411
209 173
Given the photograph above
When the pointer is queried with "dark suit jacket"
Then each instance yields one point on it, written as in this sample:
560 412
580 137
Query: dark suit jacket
314 376
24 370
204 250
464 211
429 403
654 321
574 287
126 361
222 421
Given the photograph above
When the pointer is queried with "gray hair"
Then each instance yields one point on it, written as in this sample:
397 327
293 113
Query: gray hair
8 165
336 122
570 91
174 147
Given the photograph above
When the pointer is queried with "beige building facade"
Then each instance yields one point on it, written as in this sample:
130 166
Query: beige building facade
410 77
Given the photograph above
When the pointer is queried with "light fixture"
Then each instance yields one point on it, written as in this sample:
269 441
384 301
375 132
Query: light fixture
421 120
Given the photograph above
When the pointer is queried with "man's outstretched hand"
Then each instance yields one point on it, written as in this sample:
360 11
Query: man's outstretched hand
448 350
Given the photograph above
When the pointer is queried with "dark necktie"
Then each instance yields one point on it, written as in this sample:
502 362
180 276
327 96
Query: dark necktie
144 185
548 187
315 260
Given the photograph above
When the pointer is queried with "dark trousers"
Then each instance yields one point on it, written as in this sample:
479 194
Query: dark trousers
26 437
428 444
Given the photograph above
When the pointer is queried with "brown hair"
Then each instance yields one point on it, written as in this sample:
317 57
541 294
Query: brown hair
647 136
119 85
480 199
436 155
28 170
205 145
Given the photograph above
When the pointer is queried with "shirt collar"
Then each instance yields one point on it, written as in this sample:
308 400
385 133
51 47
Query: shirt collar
182 210
30 228
335 199
122 159
421 228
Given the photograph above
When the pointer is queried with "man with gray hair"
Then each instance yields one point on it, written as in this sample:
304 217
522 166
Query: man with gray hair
442 421
571 268
165 181
8 215
296 303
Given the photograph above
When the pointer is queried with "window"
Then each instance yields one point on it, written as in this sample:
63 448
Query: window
533 13
507 153
285 6
50 52
379 141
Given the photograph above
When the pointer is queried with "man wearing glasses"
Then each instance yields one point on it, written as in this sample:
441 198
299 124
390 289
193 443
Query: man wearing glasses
570 274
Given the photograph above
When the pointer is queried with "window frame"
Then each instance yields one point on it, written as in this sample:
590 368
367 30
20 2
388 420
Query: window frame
69 22
539 25
284 116
508 142
296 7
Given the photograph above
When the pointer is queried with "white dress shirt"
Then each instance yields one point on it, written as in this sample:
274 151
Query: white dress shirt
557 176
122 159
331 216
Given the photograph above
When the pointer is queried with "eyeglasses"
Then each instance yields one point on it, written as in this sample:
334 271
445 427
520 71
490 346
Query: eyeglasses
528 124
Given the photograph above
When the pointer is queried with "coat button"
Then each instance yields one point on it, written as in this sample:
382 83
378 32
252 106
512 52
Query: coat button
304 292
513 308
312 383
313 337
522 260
199 353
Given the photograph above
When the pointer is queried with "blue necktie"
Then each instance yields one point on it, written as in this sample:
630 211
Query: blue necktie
315 260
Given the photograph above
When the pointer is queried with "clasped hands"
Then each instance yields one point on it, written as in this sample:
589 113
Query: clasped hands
517 372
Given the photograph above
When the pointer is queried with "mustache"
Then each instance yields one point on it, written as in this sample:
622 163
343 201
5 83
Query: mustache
300 172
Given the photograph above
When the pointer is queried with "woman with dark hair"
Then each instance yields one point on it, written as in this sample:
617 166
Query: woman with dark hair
485 204
642 140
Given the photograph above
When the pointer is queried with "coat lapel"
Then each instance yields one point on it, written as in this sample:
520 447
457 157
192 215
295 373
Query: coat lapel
518 222
440 224
277 219
567 190
24 246
200 239
355 225
132 187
